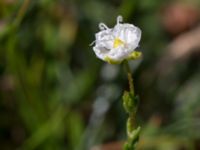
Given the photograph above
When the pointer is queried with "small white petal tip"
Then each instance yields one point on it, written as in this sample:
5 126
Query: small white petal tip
102 26
119 19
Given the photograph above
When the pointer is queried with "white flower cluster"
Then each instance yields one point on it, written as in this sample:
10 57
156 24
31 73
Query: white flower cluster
118 43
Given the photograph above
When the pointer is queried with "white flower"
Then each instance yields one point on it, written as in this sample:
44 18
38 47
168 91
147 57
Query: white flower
118 43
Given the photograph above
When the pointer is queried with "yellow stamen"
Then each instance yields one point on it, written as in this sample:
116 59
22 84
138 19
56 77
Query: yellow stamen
117 42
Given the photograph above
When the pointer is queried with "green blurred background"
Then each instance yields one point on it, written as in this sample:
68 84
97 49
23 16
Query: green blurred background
56 95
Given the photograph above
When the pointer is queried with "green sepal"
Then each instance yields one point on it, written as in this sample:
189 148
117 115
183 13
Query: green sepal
134 55
111 61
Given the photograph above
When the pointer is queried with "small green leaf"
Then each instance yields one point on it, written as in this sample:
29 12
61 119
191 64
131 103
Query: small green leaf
133 139
135 134
130 102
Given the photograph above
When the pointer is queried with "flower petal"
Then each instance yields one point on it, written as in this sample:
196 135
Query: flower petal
117 44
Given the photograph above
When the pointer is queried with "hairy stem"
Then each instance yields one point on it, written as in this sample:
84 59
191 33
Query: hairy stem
130 103
130 79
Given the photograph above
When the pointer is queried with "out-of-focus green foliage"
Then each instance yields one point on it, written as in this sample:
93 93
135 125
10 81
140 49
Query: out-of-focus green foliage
55 94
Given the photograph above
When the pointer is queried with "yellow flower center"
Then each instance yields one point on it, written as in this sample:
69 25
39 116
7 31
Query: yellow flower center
117 42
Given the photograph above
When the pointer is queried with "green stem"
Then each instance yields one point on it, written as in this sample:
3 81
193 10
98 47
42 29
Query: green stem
130 103
130 79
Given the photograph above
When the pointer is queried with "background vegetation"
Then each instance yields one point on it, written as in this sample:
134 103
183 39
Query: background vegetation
55 94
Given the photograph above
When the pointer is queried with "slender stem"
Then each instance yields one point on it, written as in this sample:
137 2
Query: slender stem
130 105
131 119
130 79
